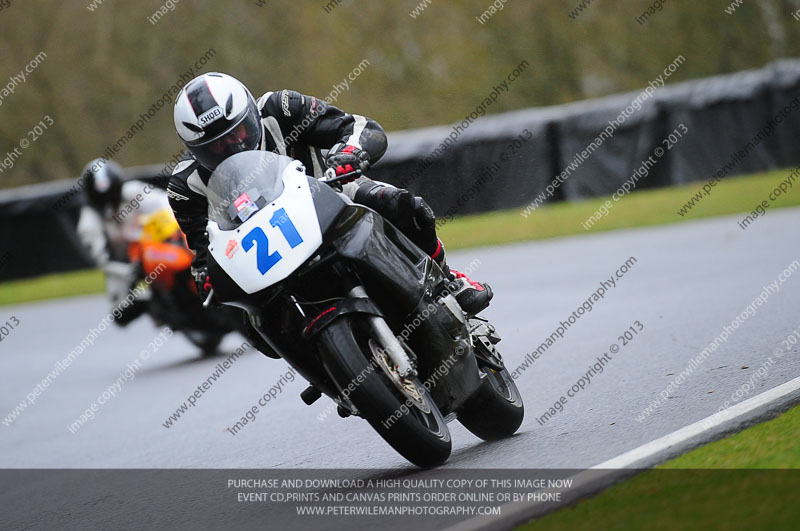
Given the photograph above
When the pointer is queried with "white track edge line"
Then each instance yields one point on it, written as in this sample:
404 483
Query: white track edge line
647 450
643 452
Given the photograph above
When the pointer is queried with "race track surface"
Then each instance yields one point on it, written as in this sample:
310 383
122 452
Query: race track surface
688 281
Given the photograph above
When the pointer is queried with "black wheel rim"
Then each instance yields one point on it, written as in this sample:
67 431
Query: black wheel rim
503 385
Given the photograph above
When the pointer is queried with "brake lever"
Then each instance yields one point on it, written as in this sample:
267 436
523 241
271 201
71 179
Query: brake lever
332 179
209 299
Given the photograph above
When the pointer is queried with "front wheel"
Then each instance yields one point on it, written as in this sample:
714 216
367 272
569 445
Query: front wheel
495 411
207 342
400 410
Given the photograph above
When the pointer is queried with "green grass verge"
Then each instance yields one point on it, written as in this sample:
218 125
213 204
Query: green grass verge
688 493
52 286
638 209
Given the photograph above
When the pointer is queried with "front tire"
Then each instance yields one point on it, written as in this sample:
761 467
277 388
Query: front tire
421 434
207 342
496 410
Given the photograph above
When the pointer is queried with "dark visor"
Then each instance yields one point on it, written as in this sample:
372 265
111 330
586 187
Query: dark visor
242 137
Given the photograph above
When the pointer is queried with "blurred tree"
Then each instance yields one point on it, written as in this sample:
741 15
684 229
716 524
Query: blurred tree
107 65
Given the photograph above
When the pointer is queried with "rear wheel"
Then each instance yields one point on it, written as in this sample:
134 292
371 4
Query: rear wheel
496 410
399 409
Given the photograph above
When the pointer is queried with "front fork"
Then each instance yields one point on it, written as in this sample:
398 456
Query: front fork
387 339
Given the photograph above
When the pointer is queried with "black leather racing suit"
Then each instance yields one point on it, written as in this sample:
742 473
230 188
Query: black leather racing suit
301 127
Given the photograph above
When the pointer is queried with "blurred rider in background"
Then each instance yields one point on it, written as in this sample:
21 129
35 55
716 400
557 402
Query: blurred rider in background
109 222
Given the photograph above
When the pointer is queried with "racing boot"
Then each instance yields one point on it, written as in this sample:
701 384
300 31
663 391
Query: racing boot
473 297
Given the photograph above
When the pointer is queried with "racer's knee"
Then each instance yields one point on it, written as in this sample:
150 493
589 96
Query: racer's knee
394 204
409 213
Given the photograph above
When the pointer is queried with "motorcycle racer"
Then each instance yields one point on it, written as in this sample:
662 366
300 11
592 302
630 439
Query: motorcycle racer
109 221
216 117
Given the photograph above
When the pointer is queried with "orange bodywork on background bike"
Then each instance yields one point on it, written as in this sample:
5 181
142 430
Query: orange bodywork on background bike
162 249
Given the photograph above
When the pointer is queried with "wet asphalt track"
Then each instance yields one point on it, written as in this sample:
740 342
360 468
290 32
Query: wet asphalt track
689 280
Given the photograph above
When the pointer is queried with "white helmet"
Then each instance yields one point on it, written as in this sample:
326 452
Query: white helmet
216 117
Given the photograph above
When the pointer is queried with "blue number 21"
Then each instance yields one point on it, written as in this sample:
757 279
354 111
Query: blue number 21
257 237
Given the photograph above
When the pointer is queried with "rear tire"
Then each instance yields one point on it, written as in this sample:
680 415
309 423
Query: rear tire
420 436
496 410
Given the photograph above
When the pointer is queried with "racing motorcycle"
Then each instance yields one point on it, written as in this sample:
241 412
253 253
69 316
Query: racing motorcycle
334 289
162 255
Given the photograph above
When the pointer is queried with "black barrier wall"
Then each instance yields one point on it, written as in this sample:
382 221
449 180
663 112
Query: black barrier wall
38 226
597 145
729 125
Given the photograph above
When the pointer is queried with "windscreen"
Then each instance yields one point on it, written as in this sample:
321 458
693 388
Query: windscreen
244 184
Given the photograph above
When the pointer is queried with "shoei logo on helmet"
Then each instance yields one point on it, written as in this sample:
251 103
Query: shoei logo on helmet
210 116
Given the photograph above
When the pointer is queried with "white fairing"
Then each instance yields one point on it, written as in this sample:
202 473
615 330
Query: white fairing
237 251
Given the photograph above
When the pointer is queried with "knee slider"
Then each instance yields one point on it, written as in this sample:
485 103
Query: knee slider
395 204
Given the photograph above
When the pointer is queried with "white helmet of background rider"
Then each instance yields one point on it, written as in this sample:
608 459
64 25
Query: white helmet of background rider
216 117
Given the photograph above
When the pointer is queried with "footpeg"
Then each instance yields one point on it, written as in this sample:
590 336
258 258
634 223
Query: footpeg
310 395
493 336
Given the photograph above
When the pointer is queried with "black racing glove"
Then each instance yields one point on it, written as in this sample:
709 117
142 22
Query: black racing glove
347 159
